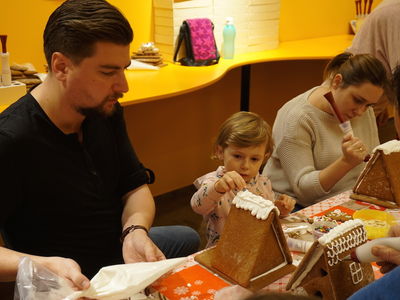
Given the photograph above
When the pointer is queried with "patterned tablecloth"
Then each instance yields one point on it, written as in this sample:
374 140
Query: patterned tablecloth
193 281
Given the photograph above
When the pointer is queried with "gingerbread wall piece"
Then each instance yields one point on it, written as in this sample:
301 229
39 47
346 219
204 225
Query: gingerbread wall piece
252 250
323 272
379 182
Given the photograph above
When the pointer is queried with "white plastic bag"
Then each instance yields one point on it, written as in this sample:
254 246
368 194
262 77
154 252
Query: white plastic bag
35 282
116 282
122 281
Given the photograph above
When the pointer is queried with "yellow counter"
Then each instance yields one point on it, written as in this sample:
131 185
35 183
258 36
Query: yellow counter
174 80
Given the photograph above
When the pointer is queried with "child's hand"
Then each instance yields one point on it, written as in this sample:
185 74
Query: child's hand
285 204
231 180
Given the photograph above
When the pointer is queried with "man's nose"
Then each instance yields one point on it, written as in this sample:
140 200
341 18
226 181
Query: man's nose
121 84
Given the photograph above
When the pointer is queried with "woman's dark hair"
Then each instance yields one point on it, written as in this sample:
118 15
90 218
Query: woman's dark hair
76 25
357 69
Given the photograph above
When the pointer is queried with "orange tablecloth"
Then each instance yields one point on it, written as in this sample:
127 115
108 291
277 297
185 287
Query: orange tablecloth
193 281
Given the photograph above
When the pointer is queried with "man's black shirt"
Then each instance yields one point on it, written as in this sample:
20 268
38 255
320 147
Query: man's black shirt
60 197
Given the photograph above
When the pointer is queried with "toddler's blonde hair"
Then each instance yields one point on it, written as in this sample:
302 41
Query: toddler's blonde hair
244 129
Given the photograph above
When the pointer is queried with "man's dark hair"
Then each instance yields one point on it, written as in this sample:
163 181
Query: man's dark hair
75 26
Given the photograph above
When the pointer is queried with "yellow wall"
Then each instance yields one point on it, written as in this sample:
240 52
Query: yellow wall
173 136
24 20
302 19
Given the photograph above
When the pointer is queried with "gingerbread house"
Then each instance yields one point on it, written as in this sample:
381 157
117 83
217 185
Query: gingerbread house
379 182
252 250
325 270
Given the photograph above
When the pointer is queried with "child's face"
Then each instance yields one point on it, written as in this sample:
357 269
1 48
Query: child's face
245 161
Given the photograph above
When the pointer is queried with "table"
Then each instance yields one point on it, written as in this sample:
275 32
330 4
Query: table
194 280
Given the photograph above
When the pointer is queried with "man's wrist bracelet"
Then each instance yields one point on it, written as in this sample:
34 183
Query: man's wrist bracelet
131 228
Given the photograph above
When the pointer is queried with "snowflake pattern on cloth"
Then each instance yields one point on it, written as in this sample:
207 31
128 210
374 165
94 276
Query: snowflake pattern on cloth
198 279
193 283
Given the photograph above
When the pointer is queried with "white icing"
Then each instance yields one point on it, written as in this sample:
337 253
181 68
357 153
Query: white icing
389 147
339 230
257 205
342 238
356 272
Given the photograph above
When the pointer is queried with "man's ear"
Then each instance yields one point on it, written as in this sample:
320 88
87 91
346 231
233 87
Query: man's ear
337 81
60 65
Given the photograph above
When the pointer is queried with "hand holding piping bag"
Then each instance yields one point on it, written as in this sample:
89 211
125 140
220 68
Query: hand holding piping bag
364 253
345 126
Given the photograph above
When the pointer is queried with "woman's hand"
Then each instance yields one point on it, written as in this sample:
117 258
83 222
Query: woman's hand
285 204
230 181
354 150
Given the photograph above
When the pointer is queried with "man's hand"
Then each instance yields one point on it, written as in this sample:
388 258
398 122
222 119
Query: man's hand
390 256
138 247
67 269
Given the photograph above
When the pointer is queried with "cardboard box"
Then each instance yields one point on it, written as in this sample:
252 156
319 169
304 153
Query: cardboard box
10 94
256 22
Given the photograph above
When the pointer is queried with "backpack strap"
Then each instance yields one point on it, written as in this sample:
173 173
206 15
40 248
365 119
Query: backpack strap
180 39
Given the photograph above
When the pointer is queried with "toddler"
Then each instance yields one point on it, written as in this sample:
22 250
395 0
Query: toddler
243 144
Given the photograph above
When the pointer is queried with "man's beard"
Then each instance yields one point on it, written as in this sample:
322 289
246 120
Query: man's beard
99 110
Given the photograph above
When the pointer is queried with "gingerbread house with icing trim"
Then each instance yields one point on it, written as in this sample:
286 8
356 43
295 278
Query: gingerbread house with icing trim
252 250
324 272
379 182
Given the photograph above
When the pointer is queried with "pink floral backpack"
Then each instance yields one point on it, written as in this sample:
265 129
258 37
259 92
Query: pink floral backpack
200 46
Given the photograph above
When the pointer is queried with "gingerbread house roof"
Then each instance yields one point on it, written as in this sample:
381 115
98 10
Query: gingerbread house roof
324 271
252 250
379 182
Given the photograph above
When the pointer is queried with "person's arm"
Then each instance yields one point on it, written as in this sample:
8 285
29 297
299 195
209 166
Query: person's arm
139 209
63 267
211 189
308 182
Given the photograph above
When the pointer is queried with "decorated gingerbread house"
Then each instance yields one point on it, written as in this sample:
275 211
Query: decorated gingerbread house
252 250
379 182
325 270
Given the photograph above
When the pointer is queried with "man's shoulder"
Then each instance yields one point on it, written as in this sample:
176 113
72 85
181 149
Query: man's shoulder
16 119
